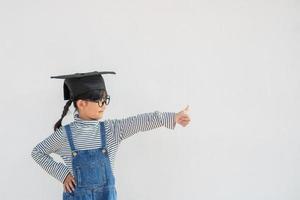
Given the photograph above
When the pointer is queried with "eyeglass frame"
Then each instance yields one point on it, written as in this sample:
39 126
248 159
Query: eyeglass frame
106 101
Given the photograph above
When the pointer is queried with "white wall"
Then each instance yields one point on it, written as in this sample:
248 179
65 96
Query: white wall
236 63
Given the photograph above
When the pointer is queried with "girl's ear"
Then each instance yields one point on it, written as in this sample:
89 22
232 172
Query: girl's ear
81 104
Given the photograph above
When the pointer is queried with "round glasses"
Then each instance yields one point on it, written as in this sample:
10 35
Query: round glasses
101 102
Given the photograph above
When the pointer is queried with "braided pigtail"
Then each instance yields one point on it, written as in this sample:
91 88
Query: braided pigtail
64 113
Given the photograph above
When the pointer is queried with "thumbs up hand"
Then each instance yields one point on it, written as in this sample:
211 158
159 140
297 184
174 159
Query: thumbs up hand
182 117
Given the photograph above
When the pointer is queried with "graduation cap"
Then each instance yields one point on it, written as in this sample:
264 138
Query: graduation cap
78 84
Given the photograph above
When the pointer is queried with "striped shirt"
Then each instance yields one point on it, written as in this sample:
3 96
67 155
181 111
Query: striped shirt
86 135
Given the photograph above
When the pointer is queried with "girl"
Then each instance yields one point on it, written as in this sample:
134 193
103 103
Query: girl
88 145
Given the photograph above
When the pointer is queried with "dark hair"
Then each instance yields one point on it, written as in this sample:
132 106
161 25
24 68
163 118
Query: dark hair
64 113
89 95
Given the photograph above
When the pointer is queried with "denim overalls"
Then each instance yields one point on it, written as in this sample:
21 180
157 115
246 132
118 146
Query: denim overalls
92 172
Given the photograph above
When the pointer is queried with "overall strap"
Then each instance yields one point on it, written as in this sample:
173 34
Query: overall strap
69 136
102 133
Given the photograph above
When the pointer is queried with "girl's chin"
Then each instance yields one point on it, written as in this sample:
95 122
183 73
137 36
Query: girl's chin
97 118
100 114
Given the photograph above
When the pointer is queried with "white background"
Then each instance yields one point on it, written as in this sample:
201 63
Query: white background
236 63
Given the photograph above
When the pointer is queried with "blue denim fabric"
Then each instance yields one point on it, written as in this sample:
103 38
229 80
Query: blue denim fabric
92 172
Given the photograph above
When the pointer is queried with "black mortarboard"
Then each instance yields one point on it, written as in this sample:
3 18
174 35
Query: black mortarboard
80 83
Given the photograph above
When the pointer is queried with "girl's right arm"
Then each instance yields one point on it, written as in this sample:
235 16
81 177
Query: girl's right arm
128 126
41 151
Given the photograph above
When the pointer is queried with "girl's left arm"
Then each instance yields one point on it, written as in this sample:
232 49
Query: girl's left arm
126 127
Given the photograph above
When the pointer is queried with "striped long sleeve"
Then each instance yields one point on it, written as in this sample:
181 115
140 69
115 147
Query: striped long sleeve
41 151
126 127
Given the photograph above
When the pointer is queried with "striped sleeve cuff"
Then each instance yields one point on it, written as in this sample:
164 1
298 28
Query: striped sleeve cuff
168 119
